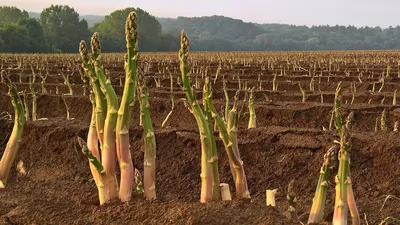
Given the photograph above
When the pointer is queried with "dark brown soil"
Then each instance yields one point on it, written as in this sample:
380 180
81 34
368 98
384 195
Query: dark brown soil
288 144
58 189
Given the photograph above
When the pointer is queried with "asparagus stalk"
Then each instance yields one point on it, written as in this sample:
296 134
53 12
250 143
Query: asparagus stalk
343 180
43 82
252 120
16 135
303 94
232 121
170 112
66 106
92 138
99 97
232 128
34 101
26 105
108 149
206 145
229 122
355 216
214 157
226 112
66 82
240 177
318 205
172 100
33 75
124 112
341 207
149 174
93 135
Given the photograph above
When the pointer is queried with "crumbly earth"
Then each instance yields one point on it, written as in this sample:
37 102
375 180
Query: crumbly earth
58 188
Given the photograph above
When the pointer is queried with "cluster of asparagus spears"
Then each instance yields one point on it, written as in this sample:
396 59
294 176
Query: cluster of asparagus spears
344 200
110 125
210 185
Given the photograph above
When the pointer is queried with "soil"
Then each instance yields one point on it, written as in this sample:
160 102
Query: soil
288 144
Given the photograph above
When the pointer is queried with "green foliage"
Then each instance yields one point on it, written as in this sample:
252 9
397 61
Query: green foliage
112 31
214 33
15 38
62 28
11 14
214 27
37 41
25 36
168 43
91 19
218 33
1 43
289 37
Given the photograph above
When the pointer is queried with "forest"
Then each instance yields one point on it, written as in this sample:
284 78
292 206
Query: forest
58 28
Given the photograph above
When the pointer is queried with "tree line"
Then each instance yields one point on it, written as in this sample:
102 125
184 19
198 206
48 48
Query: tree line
219 33
59 29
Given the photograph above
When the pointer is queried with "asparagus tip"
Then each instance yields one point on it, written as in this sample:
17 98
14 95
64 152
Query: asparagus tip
95 43
131 30
83 50
184 46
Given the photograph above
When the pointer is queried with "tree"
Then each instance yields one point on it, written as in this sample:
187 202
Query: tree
112 31
37 41
15 37
1 42
19 33
62 28
169 43
11 14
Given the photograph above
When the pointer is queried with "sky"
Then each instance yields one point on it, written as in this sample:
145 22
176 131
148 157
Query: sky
383 13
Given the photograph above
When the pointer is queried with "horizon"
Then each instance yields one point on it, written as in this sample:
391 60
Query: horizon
308 12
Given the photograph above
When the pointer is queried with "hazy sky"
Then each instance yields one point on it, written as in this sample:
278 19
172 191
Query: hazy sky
300 12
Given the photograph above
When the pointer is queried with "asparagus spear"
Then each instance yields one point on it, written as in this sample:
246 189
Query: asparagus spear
16 135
